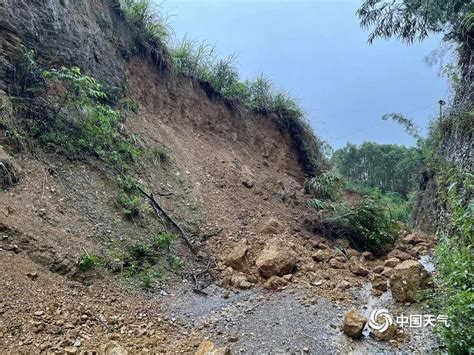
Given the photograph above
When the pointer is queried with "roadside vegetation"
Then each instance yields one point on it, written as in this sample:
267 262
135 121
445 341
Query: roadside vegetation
411 21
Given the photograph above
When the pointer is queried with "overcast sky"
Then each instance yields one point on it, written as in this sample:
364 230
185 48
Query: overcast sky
317 51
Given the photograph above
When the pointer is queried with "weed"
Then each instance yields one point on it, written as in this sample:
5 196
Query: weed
162 240
87 262
132 205
176 262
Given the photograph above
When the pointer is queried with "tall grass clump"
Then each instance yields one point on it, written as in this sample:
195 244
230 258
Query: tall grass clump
150 29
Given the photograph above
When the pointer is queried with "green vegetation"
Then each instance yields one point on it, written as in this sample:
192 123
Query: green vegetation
399 206
414 20
411 20
455 295
326 186
145 258
87 262
368 223
220 78
387 167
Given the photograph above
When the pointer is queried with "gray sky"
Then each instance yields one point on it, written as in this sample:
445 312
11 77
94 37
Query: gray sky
317 52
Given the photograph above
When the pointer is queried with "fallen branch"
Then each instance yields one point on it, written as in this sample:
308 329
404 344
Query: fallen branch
159 208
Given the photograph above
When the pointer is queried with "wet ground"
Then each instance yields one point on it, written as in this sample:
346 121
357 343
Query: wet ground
257 321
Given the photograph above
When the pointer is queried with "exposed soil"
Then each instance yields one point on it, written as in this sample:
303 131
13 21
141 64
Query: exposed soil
228 175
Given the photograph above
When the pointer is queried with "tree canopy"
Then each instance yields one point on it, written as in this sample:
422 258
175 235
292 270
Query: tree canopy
411 20
386 166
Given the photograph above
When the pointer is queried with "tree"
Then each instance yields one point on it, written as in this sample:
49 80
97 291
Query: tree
411 20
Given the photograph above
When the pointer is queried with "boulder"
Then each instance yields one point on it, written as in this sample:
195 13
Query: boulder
322 255
392 262
354 323
237 257
276 259
275 283
272 226
358 269
407 280
399 254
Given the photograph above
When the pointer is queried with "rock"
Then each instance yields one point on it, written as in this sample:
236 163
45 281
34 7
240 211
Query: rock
32 275
389 334
407 280
367 255
399 254
275 283
247 177
413 239
276 259
387 272
239 280
354 323
237 257
272 226
38 313
378 269
358 269
335 263
8 174
206 347
321 255
112 348
379 283
392 262
343 285
244 285
288 277
352 253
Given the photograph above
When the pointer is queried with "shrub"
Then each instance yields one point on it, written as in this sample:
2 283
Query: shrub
326 186
87 262
131 204
366 224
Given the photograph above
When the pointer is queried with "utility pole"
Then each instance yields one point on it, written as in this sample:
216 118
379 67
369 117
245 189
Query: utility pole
441 104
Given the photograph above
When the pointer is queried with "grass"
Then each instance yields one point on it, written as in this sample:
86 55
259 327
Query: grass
199 61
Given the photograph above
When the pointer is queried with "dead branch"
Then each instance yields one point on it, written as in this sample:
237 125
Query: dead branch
158 207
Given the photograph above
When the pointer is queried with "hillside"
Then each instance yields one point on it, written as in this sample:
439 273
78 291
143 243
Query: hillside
90 263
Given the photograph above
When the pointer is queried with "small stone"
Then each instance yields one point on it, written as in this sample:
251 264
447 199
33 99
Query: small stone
306 349
357 269
367 255
38 313
233 338
392 262
32 275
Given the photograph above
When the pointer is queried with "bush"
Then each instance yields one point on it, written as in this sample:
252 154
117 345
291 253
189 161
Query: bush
131 204
366 224
87 262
